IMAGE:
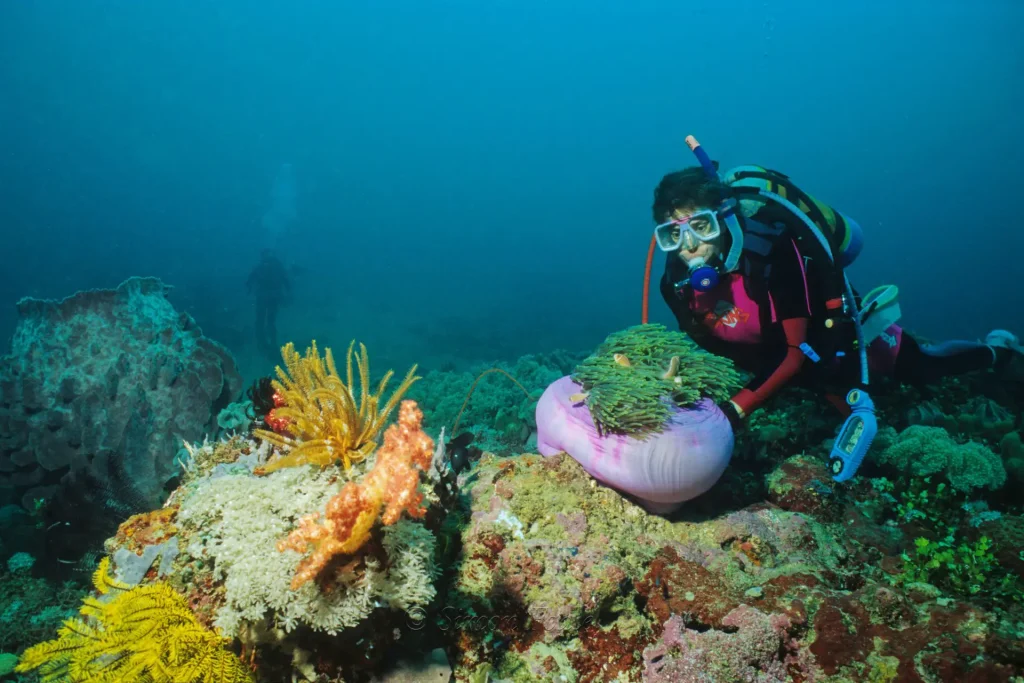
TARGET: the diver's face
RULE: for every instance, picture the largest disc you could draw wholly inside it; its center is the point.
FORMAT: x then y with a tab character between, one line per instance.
704	250
693	249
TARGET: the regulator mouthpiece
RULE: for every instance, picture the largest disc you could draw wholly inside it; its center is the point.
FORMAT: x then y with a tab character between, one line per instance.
703	277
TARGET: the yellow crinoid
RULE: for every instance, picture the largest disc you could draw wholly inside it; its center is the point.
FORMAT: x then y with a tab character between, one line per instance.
320	419
134	635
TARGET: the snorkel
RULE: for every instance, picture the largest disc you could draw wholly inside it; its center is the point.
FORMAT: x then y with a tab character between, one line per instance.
860	427
702	157
703	276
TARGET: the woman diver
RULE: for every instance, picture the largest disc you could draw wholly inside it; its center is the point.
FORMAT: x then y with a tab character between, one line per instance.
754	272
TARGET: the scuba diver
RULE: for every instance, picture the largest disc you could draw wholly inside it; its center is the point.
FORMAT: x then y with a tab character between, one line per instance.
269	281
754	273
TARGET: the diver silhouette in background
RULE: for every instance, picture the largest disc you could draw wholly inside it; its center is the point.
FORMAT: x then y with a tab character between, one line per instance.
269	282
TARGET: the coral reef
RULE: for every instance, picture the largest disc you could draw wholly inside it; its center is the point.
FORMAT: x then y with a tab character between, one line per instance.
97	394
235	418
146	633
922	451
552	576
261	401
233	527
747	649
786	426
321	417
31	608
1011	449
563	579
7	663
390	488
339	566
630	378
981	418
804	484
232	540
498	414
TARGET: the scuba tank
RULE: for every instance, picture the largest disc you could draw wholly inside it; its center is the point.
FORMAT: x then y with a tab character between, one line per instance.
828	239
844	235
876	310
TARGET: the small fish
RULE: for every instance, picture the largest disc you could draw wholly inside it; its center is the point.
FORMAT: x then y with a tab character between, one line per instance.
578	398
819	487
461	454
462	440
621	359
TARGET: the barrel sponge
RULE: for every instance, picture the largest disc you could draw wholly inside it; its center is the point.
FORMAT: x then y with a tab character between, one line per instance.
925	451
97	393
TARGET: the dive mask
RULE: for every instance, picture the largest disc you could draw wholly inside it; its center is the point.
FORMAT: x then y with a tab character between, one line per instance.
689	231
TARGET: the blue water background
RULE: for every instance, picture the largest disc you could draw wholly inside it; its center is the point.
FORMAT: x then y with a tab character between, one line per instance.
472	180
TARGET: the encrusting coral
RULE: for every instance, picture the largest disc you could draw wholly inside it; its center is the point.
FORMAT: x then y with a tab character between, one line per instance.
632	378
390	488
142	634
32	607
320	416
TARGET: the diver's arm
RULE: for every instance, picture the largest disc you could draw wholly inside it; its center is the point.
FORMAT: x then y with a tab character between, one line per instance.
763	387
790	301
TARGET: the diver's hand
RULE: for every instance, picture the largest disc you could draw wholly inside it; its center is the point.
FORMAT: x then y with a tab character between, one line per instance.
733	413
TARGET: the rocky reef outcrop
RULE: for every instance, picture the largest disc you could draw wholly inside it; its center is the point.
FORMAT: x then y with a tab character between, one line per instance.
562	579
321	558
96	397
221	542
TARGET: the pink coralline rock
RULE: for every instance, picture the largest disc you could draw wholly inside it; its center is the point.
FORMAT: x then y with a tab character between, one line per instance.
99	391
749	651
